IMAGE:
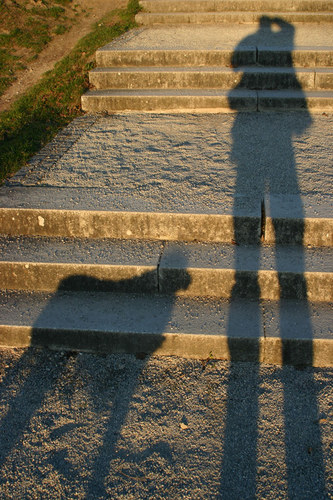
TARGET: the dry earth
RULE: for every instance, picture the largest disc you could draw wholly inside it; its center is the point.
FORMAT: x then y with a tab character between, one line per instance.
83	426
59	47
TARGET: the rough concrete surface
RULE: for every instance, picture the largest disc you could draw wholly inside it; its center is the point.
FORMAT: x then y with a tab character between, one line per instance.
87	426
179	160
219	37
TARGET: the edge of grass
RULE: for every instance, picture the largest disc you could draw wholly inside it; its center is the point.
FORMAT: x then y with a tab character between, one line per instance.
36	117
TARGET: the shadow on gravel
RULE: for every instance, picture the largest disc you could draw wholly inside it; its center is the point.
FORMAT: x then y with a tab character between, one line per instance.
260	173
70	316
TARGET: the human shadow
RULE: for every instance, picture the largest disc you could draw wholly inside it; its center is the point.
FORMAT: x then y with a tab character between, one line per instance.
264	159
103	316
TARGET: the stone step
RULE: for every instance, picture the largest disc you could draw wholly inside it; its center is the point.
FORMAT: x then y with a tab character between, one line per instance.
207	100
225	36
203	269
147	19
198	269
79	264
295	332
278	219
250	77
164	6
301	57
148	225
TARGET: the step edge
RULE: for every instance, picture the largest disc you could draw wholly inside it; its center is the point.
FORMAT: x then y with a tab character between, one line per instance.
200	346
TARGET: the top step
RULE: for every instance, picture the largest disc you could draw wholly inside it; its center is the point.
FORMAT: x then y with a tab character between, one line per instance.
236	5
233	11
239	17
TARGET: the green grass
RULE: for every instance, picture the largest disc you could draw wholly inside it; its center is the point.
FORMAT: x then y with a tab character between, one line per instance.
60	29
27	30
51	104
8	65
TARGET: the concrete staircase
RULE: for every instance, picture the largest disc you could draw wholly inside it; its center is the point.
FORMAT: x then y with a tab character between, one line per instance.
264	71
251	283
166	283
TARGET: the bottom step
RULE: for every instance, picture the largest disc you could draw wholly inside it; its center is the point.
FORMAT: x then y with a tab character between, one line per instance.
285	332
208	100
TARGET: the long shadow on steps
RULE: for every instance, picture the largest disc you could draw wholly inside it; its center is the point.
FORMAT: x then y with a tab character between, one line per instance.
262	169
63	336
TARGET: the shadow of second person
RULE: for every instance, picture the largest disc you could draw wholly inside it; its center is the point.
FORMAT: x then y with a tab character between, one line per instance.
96	315
102	316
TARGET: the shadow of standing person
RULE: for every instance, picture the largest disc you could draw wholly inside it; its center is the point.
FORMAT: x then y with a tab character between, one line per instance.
264	159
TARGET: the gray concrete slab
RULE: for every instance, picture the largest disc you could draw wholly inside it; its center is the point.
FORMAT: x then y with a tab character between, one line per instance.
148	19
220	37
80	251
231	5
165	326
287	318
243	271
132	313
187	161
251	258
211	77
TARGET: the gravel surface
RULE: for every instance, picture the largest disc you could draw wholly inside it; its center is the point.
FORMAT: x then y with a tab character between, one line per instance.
222	36
88	426
175	161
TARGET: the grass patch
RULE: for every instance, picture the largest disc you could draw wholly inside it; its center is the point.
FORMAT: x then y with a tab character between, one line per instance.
60	29
26	29
51	104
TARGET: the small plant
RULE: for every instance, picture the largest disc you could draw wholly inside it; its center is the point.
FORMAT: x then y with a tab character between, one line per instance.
208	361
60	29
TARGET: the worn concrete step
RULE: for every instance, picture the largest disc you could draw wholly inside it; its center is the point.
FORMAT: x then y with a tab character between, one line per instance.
249	77
268	33
311	57
191	269
147	19
145	225
278	219
52	263
283	332
207	100
247	271
164	6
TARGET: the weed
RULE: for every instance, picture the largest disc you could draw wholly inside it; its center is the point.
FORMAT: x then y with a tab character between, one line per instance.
60	29
55	12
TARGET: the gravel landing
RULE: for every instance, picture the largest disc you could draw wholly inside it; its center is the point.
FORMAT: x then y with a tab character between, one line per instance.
89	426
177	161
221	36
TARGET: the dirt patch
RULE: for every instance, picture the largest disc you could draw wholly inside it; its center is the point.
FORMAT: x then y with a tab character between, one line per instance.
90	13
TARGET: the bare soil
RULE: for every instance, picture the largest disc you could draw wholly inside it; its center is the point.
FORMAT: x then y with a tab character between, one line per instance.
59	47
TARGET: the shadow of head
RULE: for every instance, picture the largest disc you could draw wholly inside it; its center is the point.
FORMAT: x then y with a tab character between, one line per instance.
171	274
271	32
274	43
275	26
